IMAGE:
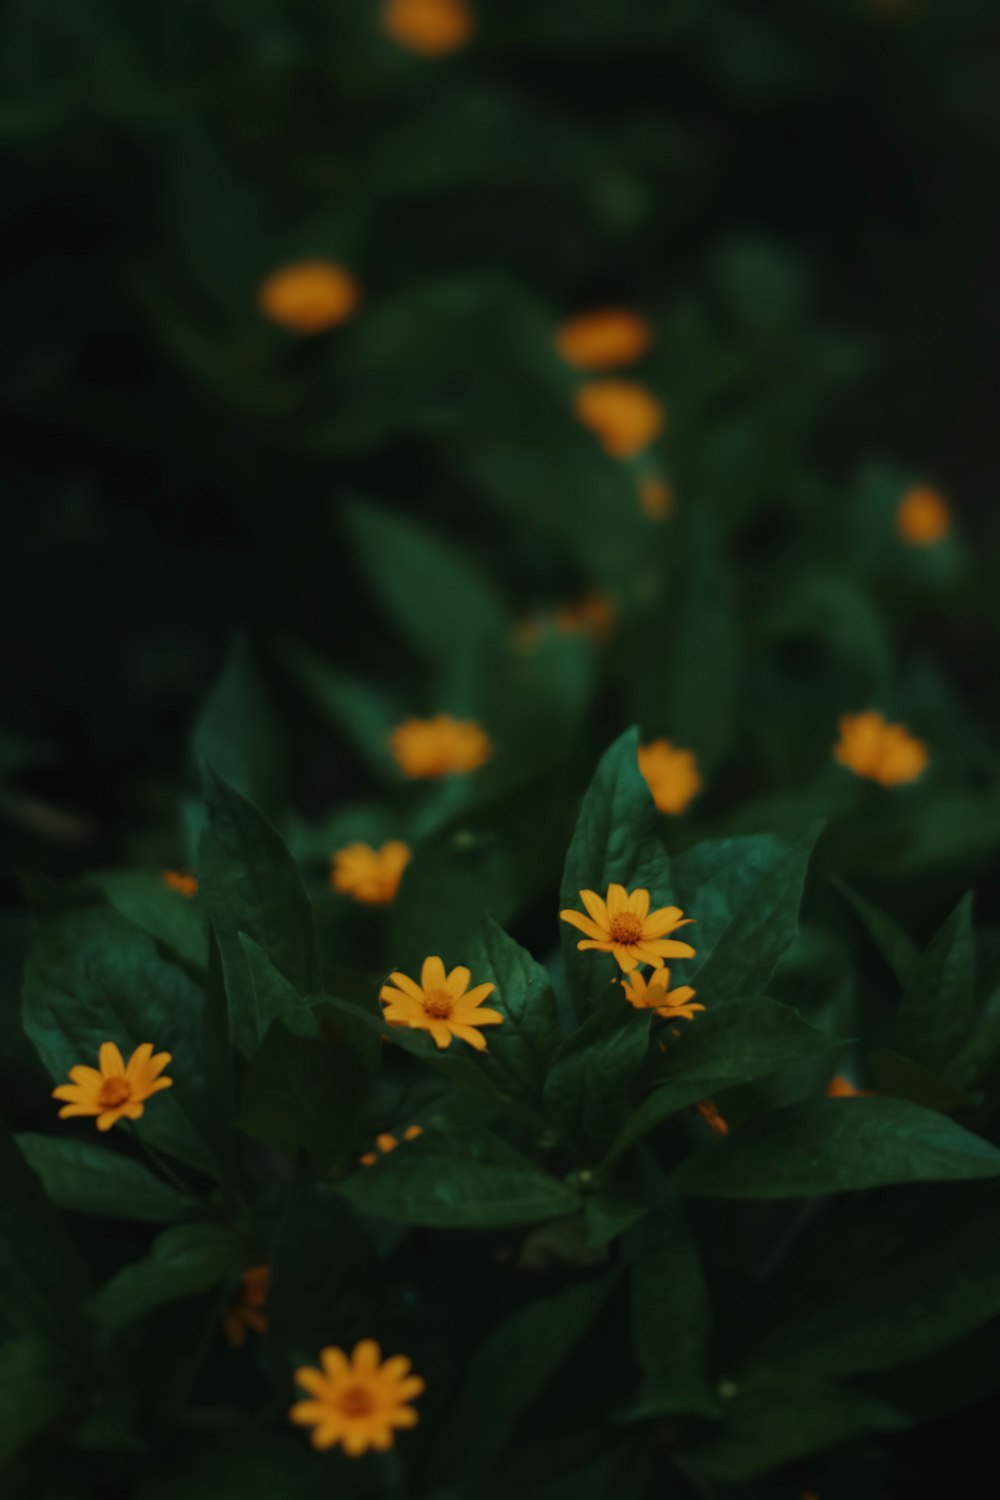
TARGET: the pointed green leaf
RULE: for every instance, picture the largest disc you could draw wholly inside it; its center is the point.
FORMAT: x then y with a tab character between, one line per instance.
587	1090
41	1275
237	733
895	946
174	920
34	1392
304	1093
937	1012
185	1261
91	1177
523	996
904	1079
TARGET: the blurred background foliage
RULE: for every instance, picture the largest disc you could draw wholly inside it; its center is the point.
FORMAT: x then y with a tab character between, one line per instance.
227	541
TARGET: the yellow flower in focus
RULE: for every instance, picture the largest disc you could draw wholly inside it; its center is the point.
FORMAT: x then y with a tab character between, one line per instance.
184	885
441	746
431	28
246	1309
656	994
594	615
711	1116
387	1142
357	1401
370	875
623	416
923	517
882	752
441	1003
656	497
625	926
603	340
842	1088
671	775
116	1090
309	297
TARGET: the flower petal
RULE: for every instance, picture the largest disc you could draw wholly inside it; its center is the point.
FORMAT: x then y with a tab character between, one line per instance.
602	947
469	1034
617	900
367	1356
432	975
313	1380
457	981
69	1110
664	919
336	1364
477	1016
407	985
474	997
638	903
136	1065
86	1077
584	924
111	1061
441	1032
598	909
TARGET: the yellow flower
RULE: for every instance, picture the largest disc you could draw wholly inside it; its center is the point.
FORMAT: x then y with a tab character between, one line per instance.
184	885
656	497
387	1142
116	1090
711	1116
923	517
625	926
370	875
882	752
624	416
441	1003
604	339
245	1310
309	297
672	1005
440	746
842	1088
431	28
671	775
359	1401
594	615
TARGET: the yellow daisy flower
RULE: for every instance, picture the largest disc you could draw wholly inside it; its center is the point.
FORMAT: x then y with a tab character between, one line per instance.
116	1090
840	1087
624	925
431	28
387	1142
441	1003
309	297
879	751
604	339
246	1309
671	774
428	748
923	517
656	994
184	884
357	1401
622	415
370	875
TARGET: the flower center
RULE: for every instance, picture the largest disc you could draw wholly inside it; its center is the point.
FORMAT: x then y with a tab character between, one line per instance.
114	1091
438	1004
626	928
356	1401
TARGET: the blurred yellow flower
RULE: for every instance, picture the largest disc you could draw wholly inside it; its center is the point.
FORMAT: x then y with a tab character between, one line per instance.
387	1142
923	517
246	1309
439	746
370	875
656	497
115	1090
625	926
431	28
657	995
309	297
184	885
671	775
842	1088
711	1116
882	752
594	615
441	1003
357	1401
603	340
625	417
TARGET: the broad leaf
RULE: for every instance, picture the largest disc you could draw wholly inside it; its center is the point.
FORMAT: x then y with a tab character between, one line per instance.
174	920
91	1177
895	946
587	1090
522	1046
305	1094
41	1276
185	1261
937	1012
237	734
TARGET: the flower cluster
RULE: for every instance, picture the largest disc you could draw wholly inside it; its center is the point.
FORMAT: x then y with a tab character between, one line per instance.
623	925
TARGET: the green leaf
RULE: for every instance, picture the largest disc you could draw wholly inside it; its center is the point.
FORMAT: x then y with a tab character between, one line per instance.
466	1179
616	841
274	999
91	978
937	1012
91	1177
514	1363
933	1278
774	1421
365	715
895	946
892	1074
835	1146
41	1275
671	1314
302	1093
237	734
172	919
251	885
523	996
34	1392
727	1045
587	1090
744	893
185	1261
